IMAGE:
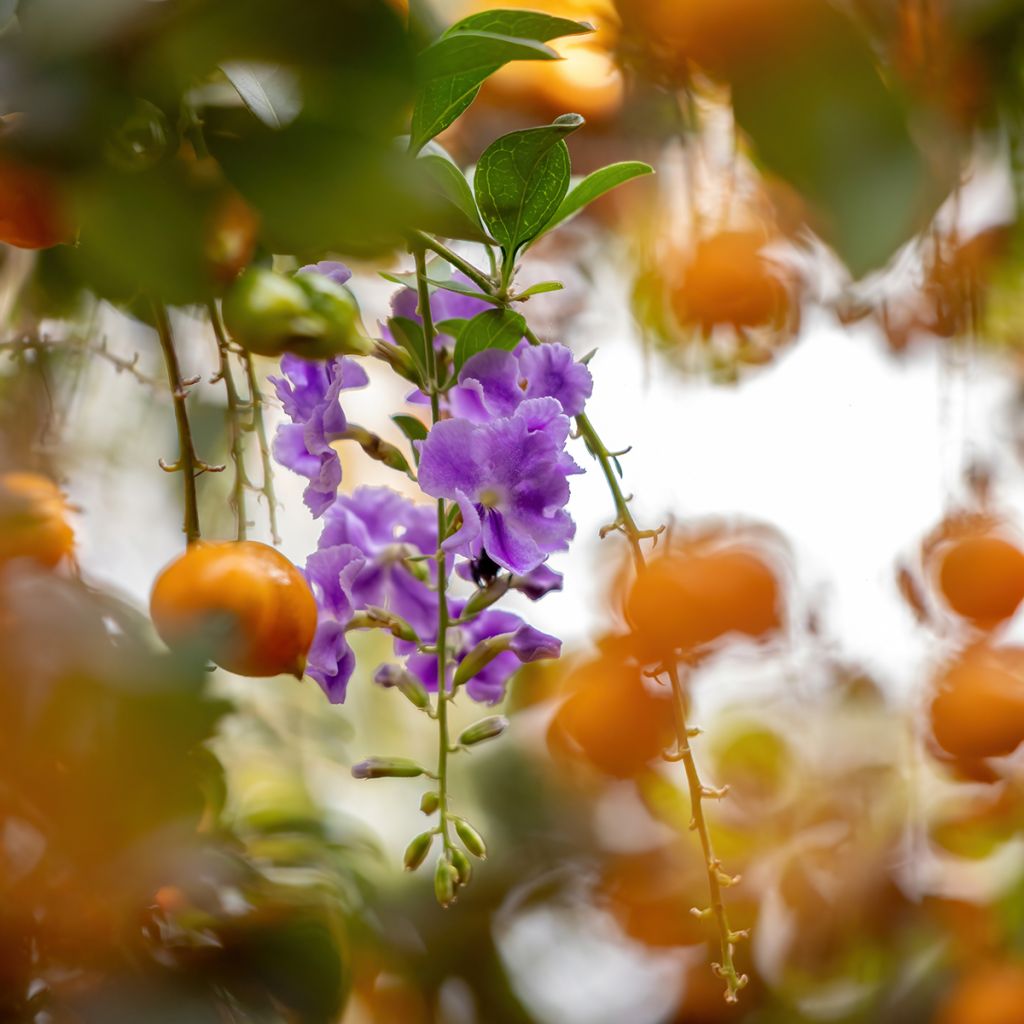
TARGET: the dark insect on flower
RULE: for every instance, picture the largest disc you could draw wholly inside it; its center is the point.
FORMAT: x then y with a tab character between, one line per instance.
484	569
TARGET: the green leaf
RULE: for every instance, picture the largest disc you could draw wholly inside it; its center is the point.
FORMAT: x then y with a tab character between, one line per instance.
521	25
453	327
270	92
538	289
449	74
521	180
413	428
454	213
595	185
409	335
494	328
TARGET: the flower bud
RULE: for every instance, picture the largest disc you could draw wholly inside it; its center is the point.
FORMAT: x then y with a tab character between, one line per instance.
484	597
416	852
406	684
445	880
387	768
471	839
429	802
485	729
462	866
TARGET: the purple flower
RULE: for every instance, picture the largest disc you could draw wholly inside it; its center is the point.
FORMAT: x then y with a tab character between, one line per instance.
332	269
330	572
509	477
495	383
386	528
309	392
444	305
520	643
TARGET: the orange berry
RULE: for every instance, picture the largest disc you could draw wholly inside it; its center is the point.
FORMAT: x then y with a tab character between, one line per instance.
31	214
231	237
991	994
611	719
978	709
728	281
244	599
701	592
982	578
33	519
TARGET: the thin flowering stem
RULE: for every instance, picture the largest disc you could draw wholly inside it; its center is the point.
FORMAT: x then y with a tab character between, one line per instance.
259	427
441	713
481	280
187	463
235	428
627	525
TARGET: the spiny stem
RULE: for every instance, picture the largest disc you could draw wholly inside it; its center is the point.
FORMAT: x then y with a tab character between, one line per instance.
234	423
443	740
259	426
634	535
187	461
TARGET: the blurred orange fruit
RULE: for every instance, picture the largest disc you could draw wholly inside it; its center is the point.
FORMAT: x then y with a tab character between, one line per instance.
978	708
991	994
31	210
982	578
729	281
231	238
702	591
244	599
611	720
33	519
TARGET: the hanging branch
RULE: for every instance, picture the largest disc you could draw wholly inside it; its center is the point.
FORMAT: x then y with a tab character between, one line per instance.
236	428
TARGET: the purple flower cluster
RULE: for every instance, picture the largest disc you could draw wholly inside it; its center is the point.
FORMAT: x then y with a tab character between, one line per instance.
499	455
361	564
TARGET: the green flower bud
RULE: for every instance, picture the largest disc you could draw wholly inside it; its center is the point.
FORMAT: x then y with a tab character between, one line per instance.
429	802
387	768
405	682
417	850
462	866
263	310
445	880
485	729
484	597
471	839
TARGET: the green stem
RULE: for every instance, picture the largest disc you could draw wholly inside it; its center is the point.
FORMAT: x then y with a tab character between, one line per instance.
259	426
482	281
443	740
234	423
187	462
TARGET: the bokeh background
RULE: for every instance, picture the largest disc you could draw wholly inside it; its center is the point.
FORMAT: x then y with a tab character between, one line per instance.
807	327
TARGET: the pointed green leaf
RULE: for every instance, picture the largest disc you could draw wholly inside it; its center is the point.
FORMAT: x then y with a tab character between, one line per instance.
521	180
269	91
409	335
595	185
453	327
454	213
538	289
413	428
494	328
521	24
450	72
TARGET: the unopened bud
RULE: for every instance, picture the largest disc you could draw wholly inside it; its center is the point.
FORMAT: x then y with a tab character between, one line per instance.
462	866
484	597
485	729
429	802
417	850
387	768
406	684
471	839
445	879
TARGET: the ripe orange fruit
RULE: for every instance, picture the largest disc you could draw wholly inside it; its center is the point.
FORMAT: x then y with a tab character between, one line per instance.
242	598
31	212
978	709
611	719
33	519
231	237
982	578
701	592
728	281
990	994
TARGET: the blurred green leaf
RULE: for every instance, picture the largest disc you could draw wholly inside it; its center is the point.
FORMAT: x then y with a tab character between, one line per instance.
268	90
521	180
521	25
540	288
494	328
454	215
409	334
